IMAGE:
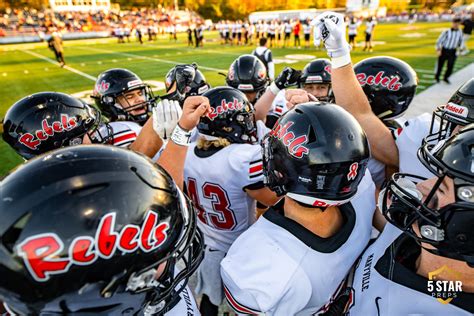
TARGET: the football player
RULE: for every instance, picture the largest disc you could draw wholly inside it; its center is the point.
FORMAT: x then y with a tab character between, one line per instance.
390	85
293	264
428	242
80	242
396	149
122	96
105	252
248	74
126	100
45	121
224	179
315	79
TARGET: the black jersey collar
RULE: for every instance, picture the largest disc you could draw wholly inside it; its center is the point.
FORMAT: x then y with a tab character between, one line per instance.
325	245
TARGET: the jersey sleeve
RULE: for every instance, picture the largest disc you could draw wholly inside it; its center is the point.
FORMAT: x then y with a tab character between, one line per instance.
246	164
408	139
279	104
124	133
252	287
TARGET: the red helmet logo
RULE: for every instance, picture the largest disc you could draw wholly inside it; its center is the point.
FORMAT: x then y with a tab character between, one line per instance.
41	253
391	83
32	141
295	145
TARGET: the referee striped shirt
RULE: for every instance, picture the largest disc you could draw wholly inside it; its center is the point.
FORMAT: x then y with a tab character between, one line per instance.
450	39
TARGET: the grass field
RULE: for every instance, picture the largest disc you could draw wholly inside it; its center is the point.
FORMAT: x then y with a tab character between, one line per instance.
28	68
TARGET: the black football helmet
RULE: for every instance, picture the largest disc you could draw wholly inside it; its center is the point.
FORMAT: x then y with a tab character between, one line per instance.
116	82
316	154
389	84
449	228
181	77
458	112
199	85
75	238
248	74
317	71
231	117
49	120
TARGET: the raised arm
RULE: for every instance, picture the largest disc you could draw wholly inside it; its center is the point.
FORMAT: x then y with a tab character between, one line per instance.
174	155
349	93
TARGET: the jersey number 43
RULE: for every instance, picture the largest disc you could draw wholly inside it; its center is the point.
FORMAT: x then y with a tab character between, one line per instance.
221	216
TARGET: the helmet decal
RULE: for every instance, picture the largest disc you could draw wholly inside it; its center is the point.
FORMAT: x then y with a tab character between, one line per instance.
134	83
295	145
224	107
102	86
230	74
457	109
33	140
391	83
40	252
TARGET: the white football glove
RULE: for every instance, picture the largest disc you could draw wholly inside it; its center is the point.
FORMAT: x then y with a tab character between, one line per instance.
332	30
166	115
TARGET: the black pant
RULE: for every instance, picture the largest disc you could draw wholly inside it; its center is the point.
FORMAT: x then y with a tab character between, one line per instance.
450	56
59	56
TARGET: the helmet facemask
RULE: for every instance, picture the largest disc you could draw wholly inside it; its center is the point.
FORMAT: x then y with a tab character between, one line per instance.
448	228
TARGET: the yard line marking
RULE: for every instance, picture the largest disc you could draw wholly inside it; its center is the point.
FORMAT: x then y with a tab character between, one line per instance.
424	71
146	58
49	60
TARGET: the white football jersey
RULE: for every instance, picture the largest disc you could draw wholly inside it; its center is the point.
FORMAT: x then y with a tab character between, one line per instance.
124	132
279	104
186	305
216	184
384	286
352	28
408	140
278	267
377	171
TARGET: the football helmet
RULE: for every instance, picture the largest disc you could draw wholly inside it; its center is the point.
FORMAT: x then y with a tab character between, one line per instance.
449	228
317	71
75	238
231	116
389	84
248	74
199	85
180	77
316	154
115	83
49	120
459	111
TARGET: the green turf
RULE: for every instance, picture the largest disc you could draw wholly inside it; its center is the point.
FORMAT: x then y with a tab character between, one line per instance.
24	74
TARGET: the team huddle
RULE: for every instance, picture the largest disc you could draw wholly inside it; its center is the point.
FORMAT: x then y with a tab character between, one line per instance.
309	194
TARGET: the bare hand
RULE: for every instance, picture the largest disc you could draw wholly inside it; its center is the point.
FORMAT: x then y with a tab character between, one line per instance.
295	97
194	107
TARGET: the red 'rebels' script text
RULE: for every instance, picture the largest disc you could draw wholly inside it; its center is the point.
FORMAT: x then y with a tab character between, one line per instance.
32	141
42	253
392	84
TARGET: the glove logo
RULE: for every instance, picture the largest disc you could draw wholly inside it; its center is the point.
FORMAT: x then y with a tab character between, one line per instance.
32	141
392	84
295	145
43	254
